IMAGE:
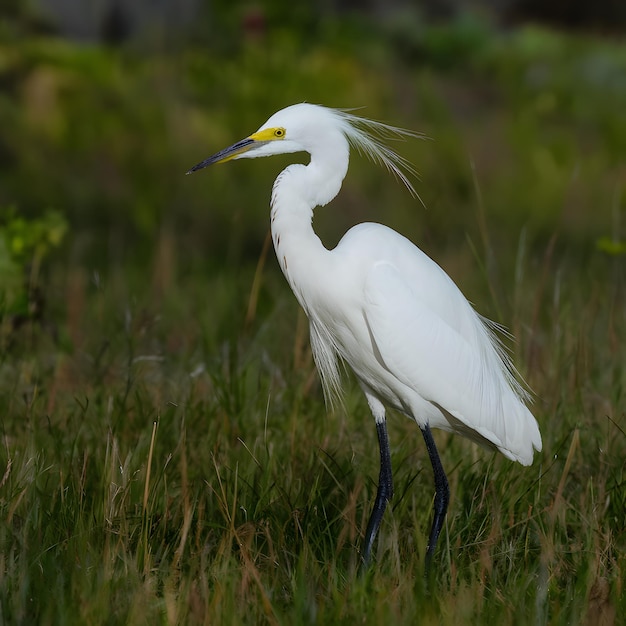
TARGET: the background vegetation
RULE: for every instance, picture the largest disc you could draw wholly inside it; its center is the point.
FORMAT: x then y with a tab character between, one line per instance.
166	456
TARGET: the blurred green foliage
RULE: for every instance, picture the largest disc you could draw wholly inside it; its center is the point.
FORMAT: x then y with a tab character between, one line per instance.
528	116
24	246
527	136
612	247
29	241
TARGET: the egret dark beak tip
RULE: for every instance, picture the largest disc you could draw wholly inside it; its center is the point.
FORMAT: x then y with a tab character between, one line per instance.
199	166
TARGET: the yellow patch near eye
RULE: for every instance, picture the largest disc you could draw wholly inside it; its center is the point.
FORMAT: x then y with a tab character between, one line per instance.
269	134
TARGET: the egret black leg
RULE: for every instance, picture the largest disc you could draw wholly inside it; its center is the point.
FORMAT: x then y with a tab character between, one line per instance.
383	495
442	494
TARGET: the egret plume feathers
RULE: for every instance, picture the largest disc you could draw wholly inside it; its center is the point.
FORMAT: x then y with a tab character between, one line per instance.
368	137
495	333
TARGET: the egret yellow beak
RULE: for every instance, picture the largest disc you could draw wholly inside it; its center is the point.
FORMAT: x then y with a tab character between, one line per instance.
256	140
226	154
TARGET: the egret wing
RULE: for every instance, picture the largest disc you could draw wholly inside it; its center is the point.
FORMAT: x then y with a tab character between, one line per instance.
458	370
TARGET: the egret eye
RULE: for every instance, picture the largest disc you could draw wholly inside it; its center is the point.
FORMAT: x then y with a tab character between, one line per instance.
279	133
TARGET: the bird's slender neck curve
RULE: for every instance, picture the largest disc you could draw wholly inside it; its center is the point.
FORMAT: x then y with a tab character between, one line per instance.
297	191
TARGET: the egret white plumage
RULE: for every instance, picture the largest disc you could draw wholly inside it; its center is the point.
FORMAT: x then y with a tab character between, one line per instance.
379	304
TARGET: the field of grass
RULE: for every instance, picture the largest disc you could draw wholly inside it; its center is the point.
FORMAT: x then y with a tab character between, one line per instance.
166	453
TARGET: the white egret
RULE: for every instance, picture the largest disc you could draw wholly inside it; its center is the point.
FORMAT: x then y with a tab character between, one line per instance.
378	303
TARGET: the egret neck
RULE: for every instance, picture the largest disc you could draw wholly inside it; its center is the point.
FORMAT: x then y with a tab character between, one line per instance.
297	191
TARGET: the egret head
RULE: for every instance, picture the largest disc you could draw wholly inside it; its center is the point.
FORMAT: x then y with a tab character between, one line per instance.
296	128
320	130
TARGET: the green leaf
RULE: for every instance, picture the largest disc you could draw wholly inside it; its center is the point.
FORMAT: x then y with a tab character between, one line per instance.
611	246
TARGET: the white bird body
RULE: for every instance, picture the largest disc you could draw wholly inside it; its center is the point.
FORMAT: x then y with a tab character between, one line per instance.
384	307
412	339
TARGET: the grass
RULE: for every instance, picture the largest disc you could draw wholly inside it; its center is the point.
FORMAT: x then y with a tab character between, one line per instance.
166	454
168	473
